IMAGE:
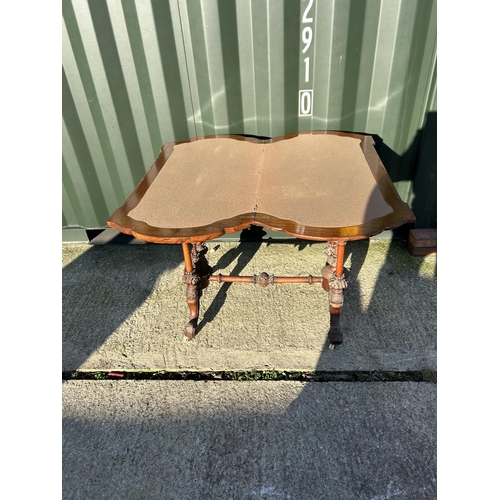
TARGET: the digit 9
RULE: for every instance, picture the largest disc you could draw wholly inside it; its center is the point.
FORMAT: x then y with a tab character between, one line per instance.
307	35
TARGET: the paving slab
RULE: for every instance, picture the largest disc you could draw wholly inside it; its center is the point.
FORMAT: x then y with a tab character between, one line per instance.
124	309
248	440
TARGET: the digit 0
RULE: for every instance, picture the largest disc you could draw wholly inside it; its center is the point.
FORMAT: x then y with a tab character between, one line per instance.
305	102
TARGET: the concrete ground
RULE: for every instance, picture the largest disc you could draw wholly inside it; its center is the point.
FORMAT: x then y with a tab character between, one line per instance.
124	309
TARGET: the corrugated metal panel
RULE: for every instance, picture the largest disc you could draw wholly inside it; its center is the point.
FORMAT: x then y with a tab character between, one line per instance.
140	73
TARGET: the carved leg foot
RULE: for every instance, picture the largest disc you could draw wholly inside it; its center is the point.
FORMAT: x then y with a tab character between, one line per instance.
336	299
334	283
196	277
193	302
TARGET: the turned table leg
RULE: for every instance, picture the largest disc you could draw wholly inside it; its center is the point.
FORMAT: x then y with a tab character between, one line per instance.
334	283
196	276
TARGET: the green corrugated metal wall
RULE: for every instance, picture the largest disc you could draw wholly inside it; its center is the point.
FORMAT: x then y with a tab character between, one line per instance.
138	73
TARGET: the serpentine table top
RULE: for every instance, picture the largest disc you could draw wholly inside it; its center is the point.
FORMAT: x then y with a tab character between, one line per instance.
316	185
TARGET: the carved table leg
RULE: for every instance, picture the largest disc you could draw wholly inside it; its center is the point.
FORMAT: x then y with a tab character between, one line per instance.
196	277
334	283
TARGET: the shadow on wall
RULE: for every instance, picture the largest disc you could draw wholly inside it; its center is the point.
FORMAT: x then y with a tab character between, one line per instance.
418	165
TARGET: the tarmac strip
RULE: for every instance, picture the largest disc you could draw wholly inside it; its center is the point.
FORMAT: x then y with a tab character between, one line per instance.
288	440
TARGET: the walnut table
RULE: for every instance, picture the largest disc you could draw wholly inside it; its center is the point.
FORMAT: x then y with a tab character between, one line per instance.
321	186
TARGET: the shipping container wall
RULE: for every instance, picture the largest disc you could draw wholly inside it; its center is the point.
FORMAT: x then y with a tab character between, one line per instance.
139	73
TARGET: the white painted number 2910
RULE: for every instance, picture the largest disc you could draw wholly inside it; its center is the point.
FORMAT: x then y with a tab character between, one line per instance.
306	96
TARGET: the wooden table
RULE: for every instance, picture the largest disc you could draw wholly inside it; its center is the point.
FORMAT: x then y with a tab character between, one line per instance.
321	186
